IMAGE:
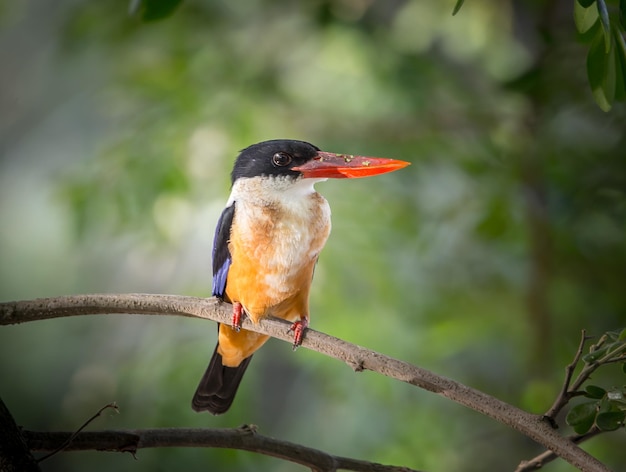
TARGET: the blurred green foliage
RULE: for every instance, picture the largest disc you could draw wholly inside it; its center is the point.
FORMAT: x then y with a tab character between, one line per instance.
482	261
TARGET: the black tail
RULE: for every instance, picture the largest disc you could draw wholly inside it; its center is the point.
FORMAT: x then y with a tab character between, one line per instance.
218	385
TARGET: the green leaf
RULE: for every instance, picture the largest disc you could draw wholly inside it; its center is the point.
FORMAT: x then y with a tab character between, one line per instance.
153	10
597	66
591	357
585	3
609	85
606	24
620	95
605	406
593	391
622	334
457	7
585	17
582	416
622	13
610	421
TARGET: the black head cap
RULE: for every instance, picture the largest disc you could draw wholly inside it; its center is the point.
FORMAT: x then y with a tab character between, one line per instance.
273	158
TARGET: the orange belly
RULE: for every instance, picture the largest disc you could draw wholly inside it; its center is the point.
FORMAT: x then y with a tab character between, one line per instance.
273	258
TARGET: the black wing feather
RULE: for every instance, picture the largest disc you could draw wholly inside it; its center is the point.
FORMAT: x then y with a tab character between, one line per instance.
221	255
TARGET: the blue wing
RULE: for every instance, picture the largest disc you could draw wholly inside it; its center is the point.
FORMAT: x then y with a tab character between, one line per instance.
221	255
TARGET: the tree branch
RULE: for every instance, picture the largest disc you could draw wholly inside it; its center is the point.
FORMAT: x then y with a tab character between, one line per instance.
548	456
359	358
565	395
243	438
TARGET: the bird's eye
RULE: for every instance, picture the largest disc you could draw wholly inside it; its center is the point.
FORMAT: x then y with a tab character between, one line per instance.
281	159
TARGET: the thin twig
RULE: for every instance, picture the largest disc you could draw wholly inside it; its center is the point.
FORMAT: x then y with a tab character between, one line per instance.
565	395
72	436
591	368
358	357
615	360
243	438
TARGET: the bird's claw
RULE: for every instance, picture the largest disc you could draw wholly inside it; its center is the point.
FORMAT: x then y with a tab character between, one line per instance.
298	329
237	316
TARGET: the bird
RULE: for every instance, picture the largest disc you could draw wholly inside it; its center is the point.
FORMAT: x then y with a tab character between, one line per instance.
266	245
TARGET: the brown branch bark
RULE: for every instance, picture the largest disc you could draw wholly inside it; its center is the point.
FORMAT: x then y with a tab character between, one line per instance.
548	456
243	438
565	395
359	358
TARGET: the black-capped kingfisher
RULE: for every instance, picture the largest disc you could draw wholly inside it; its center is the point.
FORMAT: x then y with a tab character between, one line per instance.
266	245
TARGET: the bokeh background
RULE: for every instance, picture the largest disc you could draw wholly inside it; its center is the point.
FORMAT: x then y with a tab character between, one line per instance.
482	261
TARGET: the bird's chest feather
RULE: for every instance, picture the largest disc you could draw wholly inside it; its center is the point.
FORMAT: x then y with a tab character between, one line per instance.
274	247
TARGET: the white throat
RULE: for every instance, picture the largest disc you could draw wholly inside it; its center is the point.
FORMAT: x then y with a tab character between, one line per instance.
271	190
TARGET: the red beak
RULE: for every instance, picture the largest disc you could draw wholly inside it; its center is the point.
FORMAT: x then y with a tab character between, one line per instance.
346	166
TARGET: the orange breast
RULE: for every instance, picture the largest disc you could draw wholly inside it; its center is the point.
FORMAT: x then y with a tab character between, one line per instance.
274	250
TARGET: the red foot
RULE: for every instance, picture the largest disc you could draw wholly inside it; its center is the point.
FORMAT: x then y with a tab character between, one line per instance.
237	316
298	329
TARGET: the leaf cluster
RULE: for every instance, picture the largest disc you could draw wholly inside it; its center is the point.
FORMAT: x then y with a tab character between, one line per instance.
606	409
